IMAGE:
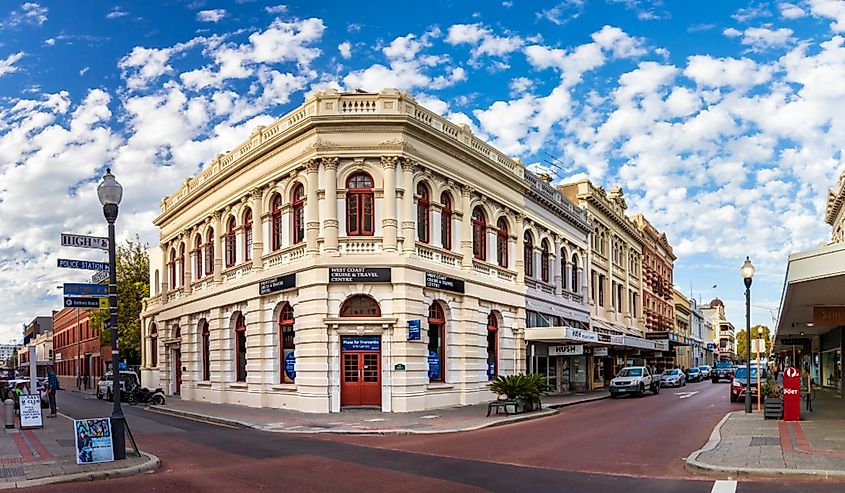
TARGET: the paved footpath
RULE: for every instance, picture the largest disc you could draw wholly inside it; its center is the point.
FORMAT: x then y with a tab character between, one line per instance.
363	422
747	444
47	455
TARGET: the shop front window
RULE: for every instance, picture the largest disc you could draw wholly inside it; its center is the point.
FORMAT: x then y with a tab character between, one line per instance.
492	347
287	346
436	343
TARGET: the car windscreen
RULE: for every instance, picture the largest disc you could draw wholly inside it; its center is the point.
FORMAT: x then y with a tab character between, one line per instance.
741	373
694	370
631	372
671	372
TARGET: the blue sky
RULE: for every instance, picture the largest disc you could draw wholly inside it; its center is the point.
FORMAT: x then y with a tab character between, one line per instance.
722	120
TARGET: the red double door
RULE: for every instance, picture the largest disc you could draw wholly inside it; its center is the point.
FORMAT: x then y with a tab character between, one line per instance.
360	383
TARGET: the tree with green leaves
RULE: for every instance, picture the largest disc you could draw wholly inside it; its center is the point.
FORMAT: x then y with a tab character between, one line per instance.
764	334
133	285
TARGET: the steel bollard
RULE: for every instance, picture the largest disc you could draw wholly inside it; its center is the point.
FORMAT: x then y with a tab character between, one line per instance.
9	413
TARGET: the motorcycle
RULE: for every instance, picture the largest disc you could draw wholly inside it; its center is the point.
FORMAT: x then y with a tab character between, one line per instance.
143	395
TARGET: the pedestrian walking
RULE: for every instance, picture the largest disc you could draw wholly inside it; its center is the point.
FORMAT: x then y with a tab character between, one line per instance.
810	395
52	387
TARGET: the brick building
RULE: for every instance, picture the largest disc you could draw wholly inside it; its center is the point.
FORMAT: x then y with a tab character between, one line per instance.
70	325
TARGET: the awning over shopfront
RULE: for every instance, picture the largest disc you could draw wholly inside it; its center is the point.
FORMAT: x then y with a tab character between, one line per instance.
566	335
813	301
602	326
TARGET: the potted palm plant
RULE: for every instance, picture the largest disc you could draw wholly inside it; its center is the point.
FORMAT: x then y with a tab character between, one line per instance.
511	387
535	387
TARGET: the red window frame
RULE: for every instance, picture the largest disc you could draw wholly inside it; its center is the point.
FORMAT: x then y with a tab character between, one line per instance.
287	343
479	234
360	305
446	221
171	269
423	210
528	253
493	339
198	256
209	252
154	345
437	327
247	235
276	222
544	262
240	347
360	205
298	217
231	249
502	243
206	351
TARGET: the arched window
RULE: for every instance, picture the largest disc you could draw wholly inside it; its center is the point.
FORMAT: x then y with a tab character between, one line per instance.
205	334
479	232
574	285
153	345
359	205
171	269
528	253
436	343
248	235
198	257
276	222
423	203
563	277
209	252
177	332
286	348
231	255
446	221
240	348
360	305
502	242
157	281
544	261
492	346
298	217
182	261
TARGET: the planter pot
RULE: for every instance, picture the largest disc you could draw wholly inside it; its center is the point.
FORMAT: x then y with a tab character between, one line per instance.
518	406
773	408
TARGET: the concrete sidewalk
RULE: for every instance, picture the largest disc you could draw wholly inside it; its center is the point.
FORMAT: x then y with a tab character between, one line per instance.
364	422
746	444
47	455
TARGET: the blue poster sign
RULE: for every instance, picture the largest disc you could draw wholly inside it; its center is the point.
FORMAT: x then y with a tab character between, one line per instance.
364	343
121	365
414	330
290	365
93	440
433	365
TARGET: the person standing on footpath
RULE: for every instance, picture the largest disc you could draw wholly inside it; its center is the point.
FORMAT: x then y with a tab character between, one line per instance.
52	387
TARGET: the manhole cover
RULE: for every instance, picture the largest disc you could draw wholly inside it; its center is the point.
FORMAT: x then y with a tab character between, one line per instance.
12	472
764	441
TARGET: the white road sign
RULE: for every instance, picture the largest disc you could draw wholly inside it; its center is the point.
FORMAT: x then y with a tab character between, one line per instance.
81	241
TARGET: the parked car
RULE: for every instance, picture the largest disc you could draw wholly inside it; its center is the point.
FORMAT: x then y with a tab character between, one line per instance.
739	381
705	371
722	371
634	380
693	374
128	380
673	378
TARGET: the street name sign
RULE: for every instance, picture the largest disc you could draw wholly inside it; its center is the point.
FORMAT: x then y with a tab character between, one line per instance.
84	289
67	263
100	276
78	302
81	241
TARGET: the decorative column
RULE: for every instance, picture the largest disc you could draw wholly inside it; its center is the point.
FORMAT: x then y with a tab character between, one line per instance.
312	211
257	229
520	249
330	222
186	264
218	250
165	274
408	223
389	223
466	227
558	276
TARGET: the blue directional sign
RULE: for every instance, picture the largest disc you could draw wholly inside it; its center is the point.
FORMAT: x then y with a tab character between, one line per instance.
74	302
82	264
83	289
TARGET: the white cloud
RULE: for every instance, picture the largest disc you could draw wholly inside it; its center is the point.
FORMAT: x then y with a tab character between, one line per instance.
345	50
214	15
84	70
31	13
791	11
7	66
116	13
761	38
831	9
717	72
563	12
276	9
483	41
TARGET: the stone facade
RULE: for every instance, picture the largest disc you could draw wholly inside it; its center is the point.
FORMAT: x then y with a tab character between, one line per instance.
835	212
658	279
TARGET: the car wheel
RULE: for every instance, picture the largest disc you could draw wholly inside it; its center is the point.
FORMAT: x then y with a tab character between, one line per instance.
655	389
641	391
108	395
733	398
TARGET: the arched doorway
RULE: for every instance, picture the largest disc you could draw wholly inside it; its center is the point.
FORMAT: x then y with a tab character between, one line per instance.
360	357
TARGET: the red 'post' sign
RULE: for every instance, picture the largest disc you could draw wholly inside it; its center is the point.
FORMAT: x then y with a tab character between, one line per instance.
791	394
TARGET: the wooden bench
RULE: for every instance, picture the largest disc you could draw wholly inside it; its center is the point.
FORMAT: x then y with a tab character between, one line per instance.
501	404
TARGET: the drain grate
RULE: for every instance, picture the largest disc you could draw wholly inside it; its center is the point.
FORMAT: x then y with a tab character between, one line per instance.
765	441
11	472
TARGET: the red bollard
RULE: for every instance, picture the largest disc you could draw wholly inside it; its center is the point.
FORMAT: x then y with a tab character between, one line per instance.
791	394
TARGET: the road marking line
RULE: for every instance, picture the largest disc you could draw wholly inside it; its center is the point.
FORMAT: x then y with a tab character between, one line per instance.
724	487
686	395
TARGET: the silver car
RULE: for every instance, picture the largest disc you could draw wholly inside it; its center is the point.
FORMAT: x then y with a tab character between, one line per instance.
673	378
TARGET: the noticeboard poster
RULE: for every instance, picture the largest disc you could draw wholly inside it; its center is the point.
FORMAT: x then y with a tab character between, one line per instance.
31	411
93	440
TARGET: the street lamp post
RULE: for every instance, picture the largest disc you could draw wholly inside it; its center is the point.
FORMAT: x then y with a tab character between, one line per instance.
747	272
110	192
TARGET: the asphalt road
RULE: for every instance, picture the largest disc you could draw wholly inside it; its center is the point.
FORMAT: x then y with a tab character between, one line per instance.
630	444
